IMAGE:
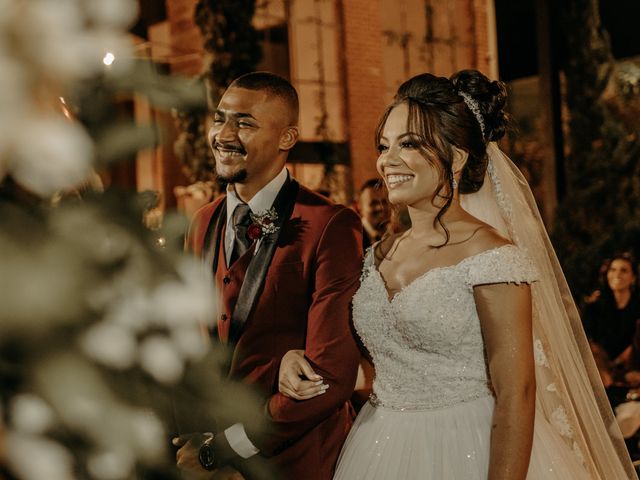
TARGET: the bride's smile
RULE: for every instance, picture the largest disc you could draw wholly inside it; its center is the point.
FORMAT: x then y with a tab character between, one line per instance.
411	179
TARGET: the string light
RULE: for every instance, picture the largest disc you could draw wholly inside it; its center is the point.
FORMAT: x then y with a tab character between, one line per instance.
108	59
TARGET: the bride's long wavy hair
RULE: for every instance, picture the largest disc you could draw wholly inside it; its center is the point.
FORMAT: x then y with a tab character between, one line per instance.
441	120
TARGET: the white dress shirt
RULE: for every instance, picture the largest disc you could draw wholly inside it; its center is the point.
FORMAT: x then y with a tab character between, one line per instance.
261	202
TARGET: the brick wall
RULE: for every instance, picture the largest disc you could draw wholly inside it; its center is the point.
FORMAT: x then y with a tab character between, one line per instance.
185	36
372	67
157	169
481	37
444	36
363	76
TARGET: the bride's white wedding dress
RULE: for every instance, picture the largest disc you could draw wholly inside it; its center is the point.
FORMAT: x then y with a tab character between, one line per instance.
430	414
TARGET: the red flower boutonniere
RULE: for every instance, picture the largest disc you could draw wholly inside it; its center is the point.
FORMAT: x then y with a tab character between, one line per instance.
263	224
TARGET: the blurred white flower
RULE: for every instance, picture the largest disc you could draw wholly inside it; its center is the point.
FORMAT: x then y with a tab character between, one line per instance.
34	458
131	312
193	272
174	304
190	341
111	465
50	34
66	56
50	154
148	435
160	358
110	344
189	302
31	414
13	87
52	17
114	13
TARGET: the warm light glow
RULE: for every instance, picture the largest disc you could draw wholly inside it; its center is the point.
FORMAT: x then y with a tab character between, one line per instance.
108	58
65	108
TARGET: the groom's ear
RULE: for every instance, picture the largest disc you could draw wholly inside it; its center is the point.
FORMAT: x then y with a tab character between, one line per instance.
288	137
460	158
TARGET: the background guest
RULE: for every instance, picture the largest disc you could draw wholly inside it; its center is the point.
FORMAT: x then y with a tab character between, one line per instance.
610	319
374	210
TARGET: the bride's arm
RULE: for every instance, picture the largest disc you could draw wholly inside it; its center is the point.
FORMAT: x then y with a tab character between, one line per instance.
366	373
296	378
505	318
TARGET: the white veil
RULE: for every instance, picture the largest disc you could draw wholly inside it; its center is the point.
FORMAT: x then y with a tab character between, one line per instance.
569	390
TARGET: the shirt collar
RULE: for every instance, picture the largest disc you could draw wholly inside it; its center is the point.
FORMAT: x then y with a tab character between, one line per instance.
261	201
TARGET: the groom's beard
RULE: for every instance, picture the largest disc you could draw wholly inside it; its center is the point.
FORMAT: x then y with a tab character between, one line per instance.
238	177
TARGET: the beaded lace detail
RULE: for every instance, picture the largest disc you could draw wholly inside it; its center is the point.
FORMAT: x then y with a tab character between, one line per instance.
426	342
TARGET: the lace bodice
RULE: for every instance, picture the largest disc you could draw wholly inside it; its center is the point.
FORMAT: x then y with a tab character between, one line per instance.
426	342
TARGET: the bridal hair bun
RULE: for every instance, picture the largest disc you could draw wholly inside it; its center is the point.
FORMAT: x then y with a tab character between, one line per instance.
439	114
465	111
490	96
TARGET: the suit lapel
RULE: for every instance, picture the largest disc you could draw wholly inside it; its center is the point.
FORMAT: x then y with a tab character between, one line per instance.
213	236
259	265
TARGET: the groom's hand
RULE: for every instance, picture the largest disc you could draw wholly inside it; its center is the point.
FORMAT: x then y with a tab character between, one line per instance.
187	456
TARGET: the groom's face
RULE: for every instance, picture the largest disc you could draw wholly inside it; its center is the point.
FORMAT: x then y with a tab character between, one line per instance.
246	134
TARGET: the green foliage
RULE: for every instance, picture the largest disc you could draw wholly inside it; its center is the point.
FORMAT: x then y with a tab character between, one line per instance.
600	213
192	147
231	39
232	42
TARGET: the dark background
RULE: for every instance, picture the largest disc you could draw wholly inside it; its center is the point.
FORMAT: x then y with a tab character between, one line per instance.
517	36
516	29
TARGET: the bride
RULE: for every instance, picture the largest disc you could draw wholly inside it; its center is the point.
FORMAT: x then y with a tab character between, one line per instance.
482	369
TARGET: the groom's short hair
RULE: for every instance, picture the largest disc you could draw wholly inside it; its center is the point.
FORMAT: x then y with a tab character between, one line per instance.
272	84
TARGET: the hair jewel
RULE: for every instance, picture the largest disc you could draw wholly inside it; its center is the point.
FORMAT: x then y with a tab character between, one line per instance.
475	109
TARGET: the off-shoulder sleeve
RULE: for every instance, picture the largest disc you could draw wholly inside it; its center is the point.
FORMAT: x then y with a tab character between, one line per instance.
368	258
368	262
506	264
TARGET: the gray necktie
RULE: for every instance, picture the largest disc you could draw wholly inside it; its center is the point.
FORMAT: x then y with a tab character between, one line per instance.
241	220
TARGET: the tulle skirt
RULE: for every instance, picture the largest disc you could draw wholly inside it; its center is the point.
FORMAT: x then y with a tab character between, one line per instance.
443	444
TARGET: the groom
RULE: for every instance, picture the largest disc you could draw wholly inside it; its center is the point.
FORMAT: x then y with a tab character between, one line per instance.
286	263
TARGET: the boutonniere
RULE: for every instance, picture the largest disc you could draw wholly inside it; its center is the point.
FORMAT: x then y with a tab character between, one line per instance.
262	224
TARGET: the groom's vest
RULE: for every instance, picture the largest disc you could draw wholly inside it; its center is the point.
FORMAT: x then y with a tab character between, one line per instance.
228	281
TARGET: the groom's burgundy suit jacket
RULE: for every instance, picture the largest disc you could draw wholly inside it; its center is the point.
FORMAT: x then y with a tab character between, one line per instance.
304	302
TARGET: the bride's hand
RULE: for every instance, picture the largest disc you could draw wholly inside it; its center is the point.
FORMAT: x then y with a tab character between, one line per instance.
297	379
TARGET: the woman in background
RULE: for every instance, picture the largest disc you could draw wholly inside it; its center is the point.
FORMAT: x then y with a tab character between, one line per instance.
610	320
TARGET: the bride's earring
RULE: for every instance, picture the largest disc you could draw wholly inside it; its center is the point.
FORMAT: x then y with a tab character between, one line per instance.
454	184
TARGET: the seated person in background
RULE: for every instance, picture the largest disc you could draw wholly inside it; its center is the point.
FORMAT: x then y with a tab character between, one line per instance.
610	319
374	210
